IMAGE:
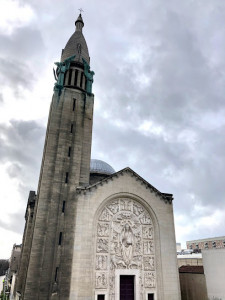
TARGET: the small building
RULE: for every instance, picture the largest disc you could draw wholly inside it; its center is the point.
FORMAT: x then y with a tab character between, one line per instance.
194	259
214	266
10	277
192	283
178	245
208	243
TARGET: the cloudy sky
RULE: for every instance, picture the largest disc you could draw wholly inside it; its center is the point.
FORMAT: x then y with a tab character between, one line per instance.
159	100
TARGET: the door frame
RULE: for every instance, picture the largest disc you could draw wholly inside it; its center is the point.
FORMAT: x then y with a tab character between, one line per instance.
130	272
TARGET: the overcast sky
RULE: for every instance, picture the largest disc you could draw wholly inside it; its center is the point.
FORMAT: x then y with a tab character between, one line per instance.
159	100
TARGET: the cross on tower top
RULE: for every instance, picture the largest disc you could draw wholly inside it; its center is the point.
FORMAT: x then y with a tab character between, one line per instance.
81	10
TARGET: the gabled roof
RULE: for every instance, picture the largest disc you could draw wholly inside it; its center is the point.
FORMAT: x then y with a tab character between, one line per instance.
164	196
191	269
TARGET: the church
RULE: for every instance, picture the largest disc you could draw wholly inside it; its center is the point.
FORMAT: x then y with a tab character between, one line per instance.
92	233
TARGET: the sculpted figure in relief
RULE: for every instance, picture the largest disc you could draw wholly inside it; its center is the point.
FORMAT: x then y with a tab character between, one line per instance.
101	262
149	264
126	205
103	229
114	207
126	240
102	245
148	247
105	215
147	232
149	279
101	280
137	209
145	219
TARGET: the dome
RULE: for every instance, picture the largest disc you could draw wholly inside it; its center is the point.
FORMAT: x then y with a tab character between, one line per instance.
77	44
100	167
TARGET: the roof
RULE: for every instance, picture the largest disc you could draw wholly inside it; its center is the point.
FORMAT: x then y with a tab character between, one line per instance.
190	256
77	45
219	238
164	196
192	269
100	167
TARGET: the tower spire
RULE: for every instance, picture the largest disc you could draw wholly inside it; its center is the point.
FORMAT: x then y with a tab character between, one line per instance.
79	23
77	45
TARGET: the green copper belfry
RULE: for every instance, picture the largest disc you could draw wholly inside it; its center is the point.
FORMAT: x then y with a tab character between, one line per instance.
59	74
89	77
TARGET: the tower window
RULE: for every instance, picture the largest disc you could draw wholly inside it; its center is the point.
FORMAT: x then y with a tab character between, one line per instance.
71	128
81	79
63	206
56	273
150	296
101	297
74	104
75	78
67	177
65	78
70	76
60	238
69	151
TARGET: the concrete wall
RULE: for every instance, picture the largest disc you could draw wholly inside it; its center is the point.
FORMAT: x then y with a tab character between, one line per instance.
214	266
193	286
190	260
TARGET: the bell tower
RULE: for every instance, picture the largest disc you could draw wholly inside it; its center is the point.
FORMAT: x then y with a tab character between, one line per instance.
47	252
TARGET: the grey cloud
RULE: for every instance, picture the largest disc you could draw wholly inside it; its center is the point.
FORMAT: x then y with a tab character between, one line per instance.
15	74
23	44
14	170
23	143
15	224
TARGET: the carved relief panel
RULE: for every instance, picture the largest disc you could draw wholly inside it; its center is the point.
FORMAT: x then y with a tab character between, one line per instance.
125	240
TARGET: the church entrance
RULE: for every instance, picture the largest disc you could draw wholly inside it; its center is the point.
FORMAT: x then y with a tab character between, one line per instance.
126	287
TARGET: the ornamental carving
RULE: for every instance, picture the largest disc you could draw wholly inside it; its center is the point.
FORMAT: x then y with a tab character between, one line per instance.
150	279
103	229
101	262
149	263
147	232
124	240
102	245
101	280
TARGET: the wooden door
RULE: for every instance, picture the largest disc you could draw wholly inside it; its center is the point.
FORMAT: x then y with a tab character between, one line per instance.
126	287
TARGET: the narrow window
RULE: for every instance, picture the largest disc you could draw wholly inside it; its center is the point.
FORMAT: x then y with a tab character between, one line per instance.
64	78
56	273
150	296
63	206
101	297
71	128
60	238
75	78
67	177
81	79
70	76
74	104
69	151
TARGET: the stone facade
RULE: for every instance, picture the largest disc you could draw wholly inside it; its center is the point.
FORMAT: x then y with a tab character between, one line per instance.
124	209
